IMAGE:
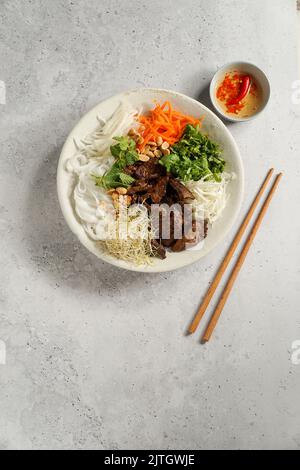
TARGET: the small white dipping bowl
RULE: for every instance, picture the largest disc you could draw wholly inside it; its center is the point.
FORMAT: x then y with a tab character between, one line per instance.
247	68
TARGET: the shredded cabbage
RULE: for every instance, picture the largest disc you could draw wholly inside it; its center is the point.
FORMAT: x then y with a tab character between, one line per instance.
210	196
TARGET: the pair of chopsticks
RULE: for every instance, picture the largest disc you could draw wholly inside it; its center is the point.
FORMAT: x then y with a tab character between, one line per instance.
237	267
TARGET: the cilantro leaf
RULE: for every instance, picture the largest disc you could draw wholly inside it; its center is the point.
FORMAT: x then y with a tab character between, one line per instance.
194	157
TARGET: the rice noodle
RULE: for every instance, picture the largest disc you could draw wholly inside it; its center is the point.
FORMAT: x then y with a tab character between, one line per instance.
97	144
94	206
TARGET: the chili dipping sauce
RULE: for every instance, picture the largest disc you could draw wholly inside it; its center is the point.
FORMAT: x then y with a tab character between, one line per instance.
239	94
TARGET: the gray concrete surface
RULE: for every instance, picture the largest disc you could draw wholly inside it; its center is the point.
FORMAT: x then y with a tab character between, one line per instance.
97	357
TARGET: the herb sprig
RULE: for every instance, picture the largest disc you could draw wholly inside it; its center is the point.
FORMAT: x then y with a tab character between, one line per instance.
195	156
125	153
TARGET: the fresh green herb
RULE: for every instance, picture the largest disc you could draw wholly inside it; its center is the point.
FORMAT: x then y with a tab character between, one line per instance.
125	154
195	156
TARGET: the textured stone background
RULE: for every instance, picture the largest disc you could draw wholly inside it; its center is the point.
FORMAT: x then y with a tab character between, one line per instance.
96	357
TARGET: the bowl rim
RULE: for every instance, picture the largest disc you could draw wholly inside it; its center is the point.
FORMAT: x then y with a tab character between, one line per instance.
63	200
214	101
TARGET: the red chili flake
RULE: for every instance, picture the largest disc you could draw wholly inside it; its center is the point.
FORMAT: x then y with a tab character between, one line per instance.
231	89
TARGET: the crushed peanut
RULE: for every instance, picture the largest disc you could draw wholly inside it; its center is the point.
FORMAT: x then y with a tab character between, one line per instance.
132	132
159	140
150	154
165	145
143	157
121	190
110	191
128	200
115	196
153	149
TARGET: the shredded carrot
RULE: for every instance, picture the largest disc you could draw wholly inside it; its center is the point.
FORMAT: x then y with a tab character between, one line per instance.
163	121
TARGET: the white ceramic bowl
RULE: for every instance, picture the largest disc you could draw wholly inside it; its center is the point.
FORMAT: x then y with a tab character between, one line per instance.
212	125
244	67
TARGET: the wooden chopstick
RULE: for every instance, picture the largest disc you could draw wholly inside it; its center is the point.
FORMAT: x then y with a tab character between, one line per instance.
230	253
239	263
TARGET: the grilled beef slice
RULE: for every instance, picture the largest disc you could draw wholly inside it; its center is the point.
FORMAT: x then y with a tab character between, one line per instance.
159	189
158	249
146	170
197	234
176	225
139	186
183	193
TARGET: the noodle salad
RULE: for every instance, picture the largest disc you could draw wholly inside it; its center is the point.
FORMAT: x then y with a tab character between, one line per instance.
147	184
